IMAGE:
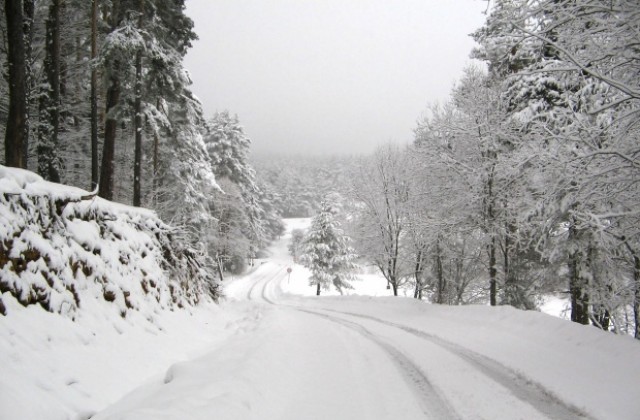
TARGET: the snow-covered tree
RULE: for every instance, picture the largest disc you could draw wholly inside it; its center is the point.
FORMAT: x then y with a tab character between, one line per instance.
301	182
575	92
295	245
326	251
478	177
185	177
380	195
228	148
124	57
246	217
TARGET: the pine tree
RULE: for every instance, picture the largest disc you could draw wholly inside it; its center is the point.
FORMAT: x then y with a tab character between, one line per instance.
297	236
228	148
258	221
326	251
185	177
144	49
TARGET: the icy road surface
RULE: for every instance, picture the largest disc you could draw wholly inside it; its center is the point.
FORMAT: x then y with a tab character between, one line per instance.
294	357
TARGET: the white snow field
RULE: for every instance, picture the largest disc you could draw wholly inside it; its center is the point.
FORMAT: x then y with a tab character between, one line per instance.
272	350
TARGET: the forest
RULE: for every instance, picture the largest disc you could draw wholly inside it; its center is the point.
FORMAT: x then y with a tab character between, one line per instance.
524	183
94	95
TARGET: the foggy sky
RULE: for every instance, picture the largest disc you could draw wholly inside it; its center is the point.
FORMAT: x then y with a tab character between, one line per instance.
328	76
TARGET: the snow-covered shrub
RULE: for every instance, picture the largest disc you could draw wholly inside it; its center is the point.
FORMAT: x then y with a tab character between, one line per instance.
60	245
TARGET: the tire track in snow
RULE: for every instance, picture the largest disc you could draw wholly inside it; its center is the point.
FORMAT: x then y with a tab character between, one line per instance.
270	275
524	389
433	403
521	387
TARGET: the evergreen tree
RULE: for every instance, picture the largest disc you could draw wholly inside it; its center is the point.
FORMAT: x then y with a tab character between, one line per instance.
185	177
144	49
295	245
256	220
228	148
326	251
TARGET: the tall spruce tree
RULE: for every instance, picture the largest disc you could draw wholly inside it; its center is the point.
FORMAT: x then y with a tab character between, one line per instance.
144	48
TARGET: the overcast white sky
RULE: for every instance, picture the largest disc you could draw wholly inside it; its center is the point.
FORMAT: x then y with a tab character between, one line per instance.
328	76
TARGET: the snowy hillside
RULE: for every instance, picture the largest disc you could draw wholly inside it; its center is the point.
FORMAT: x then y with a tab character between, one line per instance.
61	247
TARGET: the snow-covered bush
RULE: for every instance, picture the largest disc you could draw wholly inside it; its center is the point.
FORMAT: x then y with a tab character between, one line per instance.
60	245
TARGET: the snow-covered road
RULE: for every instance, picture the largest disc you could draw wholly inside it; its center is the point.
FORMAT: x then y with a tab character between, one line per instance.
295	357
403	372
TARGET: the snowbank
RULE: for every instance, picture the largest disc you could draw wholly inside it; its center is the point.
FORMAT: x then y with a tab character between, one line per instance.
61	247
57	369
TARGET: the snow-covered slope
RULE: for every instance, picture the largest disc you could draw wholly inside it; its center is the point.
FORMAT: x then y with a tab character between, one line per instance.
86	290
61	247
54	368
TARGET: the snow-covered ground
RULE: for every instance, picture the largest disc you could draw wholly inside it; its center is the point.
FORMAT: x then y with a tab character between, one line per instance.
272	350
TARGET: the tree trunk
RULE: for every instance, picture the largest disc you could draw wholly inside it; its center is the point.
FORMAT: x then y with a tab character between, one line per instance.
513	294
490	220
505	268
16	134
113	68
110	131
318	289
29	9
392	281
600	315
49	163
493	272
137	155
418	276
575	289
156	181
439	274
94	96
636	297
394	285
579	299
219	265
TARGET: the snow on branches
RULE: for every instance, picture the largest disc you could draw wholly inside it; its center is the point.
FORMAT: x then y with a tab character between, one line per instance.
326	251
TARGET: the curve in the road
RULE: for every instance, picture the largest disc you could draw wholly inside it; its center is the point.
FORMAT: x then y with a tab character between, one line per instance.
264	279
433	404
524	389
